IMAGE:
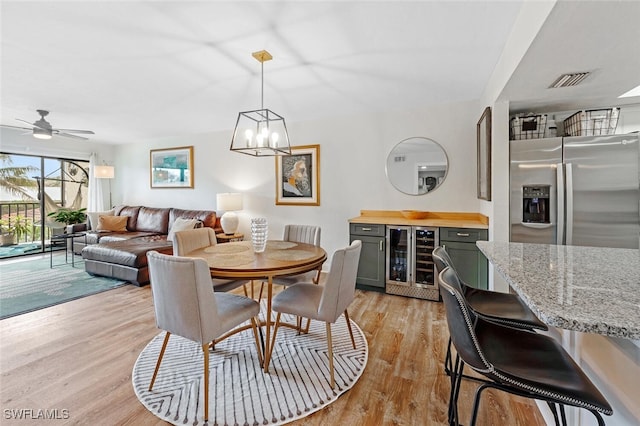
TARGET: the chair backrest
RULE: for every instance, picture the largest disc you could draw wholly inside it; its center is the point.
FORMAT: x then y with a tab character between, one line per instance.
192	239
441	258
183	298
340	286
302	234
443	261
461	321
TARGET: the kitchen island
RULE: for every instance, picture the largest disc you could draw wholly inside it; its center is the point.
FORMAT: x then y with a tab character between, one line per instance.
592	296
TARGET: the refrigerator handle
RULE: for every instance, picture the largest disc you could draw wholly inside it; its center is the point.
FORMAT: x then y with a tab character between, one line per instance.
569	238
560	202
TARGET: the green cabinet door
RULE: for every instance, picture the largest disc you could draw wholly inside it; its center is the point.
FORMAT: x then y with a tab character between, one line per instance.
470	263
372	256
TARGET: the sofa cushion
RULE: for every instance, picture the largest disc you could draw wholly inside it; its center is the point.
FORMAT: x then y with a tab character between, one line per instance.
207	217
131	253
112	223
93	218
123	236
181	224
132	212
152	219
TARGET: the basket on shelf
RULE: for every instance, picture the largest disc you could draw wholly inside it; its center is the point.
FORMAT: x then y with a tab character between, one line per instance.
592	122
527	126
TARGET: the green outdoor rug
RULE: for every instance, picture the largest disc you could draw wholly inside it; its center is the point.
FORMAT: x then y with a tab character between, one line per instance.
29	285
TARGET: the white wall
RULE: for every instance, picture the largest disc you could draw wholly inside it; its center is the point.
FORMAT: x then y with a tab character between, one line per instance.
353	152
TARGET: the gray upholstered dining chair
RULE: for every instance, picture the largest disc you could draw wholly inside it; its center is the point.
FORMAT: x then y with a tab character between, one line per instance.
185	242
308	234
186	305
324	302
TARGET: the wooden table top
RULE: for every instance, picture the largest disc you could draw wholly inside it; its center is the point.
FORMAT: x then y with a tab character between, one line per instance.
238	260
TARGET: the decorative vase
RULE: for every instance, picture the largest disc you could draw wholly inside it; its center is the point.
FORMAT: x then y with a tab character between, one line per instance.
259	233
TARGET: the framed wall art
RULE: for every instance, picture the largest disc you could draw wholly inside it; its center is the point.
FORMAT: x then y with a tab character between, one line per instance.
172	167
484	155
298	177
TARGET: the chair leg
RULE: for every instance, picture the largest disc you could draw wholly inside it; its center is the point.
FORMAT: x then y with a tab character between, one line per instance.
562	414
273	340
254	327
447	359
346	317
205	351
552	407
160	355
244	288
598	417
476	403
330	347
261	288
456	380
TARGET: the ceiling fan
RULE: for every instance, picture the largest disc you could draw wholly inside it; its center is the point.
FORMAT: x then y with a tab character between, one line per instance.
42	129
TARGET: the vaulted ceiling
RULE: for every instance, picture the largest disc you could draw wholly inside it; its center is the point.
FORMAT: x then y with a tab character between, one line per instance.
135	71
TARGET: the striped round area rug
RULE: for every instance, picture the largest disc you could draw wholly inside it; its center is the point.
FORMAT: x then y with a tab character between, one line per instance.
240	393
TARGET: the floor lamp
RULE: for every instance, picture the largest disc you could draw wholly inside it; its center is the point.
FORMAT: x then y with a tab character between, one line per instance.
105	172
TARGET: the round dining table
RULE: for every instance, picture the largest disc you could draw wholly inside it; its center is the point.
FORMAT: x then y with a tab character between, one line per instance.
237	260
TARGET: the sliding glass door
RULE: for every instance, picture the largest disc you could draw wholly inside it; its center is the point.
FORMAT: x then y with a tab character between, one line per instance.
32	187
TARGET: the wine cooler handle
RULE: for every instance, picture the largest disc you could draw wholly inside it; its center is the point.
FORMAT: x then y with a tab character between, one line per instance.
460	234
381	245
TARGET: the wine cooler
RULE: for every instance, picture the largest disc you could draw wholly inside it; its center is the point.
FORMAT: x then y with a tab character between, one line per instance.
410	267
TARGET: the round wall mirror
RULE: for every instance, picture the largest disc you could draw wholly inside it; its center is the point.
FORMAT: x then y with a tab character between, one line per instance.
417	166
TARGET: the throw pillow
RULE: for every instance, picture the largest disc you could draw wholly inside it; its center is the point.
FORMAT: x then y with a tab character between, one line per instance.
181	224
93	218
112	223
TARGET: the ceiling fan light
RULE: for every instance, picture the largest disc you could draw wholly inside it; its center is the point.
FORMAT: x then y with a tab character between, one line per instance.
41	133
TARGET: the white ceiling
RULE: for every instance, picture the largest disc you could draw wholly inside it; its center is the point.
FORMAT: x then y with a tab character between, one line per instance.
134	71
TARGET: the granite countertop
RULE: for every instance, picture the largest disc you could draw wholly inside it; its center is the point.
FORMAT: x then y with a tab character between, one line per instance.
433	219
586	289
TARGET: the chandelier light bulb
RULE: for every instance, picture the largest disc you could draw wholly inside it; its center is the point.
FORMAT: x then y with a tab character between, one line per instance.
274	139
248	134
260	139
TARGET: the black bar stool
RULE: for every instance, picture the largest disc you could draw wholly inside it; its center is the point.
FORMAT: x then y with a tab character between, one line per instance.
503	308
517	361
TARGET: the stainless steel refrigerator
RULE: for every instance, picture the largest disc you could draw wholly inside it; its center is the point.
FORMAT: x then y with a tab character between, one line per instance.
576	190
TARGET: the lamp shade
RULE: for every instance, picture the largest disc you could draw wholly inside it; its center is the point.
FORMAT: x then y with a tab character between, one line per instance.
229	201
103	172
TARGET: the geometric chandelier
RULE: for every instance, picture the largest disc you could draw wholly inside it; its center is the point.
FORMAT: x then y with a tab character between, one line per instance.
261	132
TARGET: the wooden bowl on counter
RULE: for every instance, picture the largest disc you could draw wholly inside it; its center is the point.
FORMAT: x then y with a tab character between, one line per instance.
414	214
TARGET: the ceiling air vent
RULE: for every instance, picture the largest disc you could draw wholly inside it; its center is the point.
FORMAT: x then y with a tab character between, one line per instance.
567	80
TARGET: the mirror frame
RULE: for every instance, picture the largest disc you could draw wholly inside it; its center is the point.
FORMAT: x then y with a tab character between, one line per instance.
393	152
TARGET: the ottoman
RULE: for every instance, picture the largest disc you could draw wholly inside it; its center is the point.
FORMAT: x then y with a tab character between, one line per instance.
126	260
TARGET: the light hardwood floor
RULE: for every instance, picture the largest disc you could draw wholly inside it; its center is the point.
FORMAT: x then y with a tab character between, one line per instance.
78	356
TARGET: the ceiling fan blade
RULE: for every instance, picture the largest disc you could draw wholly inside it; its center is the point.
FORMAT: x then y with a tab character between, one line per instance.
16	127
88	132
25	121
68	135
35	124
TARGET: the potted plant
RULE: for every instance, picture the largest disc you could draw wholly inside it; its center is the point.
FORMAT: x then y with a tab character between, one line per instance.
69	216
11	232
7	234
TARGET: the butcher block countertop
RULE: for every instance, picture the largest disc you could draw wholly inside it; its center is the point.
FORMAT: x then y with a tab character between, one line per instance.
434	219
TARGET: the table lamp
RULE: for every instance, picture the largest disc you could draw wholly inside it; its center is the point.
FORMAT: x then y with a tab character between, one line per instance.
229	202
